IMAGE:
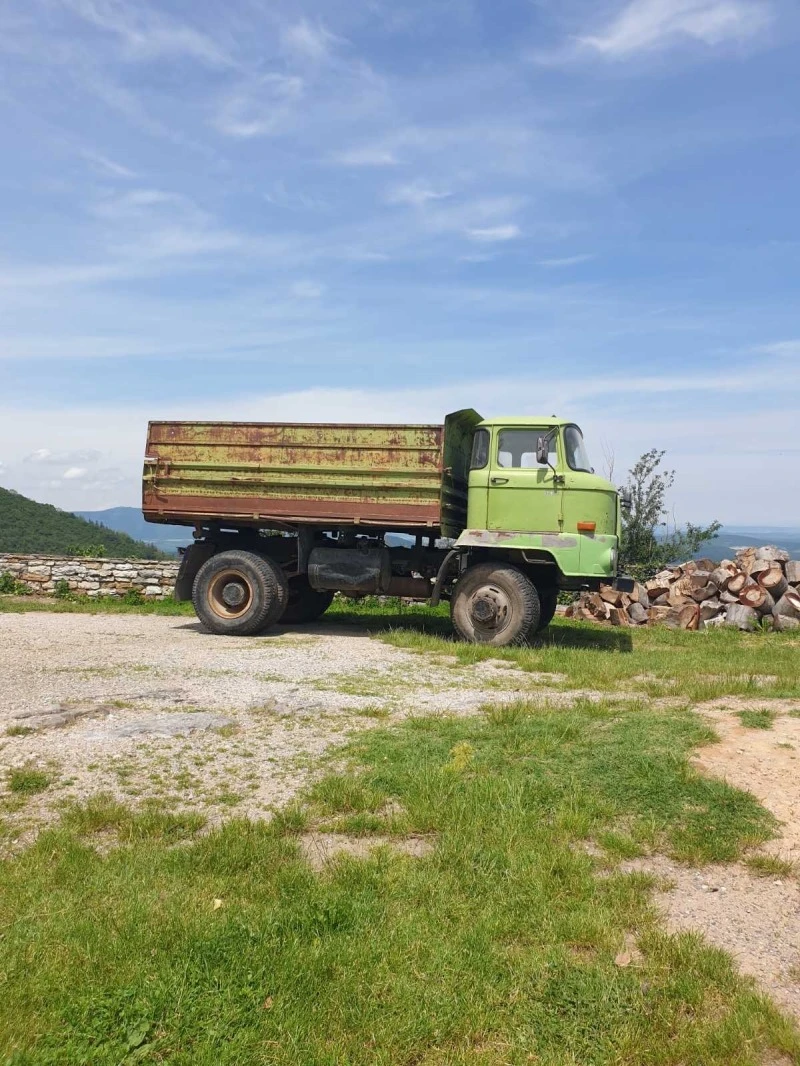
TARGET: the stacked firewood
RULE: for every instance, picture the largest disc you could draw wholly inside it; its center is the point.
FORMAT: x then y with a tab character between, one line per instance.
760	587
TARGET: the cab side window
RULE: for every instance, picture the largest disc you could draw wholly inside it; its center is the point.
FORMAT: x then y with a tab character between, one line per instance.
480	449
517	448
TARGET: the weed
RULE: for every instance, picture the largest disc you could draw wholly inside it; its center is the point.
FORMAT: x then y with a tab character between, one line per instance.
769	866
19	731
757	719
27	780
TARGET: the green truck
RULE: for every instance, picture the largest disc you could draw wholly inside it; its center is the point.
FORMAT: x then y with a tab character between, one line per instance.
494	515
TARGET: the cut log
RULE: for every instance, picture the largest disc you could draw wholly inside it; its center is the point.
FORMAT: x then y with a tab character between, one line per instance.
740	617
705	564
611	595
737	582
686	617
758	598
758	567
660	601
637	613
721	576
788	606
793	572
619	617
774	580
772	554
700	578
656	615
708	592
745	559
710	609
655	589
728	597
640	595
783	624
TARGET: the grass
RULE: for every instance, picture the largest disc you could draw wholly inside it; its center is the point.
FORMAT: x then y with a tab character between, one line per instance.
770	866
757	719
653	662
27	781
99	605
497	948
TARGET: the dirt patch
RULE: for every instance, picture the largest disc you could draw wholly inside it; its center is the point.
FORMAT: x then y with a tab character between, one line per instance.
321	848
765	762
756	919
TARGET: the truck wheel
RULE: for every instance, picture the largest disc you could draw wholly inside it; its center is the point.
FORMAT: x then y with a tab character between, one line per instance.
305	604
494	603
239	593
548	602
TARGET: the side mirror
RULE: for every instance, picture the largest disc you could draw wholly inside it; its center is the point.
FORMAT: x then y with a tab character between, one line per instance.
625	500
543	451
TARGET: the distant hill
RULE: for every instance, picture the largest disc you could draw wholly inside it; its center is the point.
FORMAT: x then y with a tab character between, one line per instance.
732	537
28	527
130	520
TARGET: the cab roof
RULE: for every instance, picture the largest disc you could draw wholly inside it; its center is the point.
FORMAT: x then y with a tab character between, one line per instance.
528	420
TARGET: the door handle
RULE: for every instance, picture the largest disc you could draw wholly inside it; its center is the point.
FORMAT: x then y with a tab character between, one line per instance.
499	480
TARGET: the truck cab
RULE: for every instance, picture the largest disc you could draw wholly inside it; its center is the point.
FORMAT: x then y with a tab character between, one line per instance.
532	489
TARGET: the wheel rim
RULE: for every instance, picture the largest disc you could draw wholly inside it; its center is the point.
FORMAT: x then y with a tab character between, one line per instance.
229	594
489	610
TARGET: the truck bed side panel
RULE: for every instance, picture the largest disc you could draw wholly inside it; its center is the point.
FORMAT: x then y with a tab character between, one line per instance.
371	475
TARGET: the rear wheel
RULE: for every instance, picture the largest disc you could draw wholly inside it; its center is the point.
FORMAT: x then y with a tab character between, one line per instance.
305	603
494	603
548	602
239	593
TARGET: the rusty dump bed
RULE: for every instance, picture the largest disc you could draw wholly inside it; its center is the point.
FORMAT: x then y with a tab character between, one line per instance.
274	475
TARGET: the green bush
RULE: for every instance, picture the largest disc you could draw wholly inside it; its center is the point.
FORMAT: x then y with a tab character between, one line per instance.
9	585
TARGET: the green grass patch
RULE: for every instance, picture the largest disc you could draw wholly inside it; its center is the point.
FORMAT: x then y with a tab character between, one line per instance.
98	605
27	780
653	662
497	948
770	866
757	719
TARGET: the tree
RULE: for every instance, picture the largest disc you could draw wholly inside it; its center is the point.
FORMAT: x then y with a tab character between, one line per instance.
645	550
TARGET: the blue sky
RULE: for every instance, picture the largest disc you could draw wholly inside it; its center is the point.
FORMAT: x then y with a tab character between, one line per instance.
378	210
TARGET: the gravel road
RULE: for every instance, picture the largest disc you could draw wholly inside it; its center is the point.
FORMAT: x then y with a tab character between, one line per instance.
143	706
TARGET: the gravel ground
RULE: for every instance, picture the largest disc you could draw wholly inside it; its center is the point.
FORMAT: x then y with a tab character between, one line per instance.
144	706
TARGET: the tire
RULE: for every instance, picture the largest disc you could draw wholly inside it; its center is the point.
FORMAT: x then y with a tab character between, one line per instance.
496	604
548	602
305	604
238	593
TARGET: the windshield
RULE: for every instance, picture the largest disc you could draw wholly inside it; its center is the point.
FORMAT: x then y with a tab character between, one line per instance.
577	456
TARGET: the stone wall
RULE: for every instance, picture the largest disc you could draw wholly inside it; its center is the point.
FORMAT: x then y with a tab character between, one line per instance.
153	578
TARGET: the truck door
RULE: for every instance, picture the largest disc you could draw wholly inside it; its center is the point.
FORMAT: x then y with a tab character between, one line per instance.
523	495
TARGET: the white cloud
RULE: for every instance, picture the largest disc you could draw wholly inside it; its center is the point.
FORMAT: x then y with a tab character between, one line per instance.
566	261
782	349
61	458
305	40
367	155
260	108
507	232
644	25
147	34
75	473
307	290
415	194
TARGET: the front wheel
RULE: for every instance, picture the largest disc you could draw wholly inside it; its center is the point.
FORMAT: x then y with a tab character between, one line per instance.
496	604
548	602
239	593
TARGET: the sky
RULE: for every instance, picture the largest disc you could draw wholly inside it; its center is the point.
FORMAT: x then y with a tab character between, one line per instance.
385	210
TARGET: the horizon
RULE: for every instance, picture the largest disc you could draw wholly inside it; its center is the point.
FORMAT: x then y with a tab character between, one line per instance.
381	212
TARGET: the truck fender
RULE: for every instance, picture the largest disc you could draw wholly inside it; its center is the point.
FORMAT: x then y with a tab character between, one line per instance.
441	577
191	561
